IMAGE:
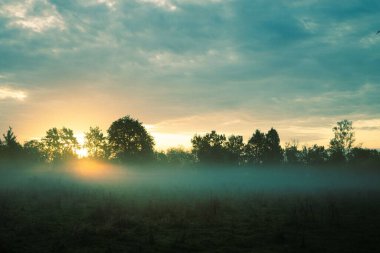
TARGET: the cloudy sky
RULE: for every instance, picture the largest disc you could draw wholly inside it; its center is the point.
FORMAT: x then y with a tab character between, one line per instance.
190	66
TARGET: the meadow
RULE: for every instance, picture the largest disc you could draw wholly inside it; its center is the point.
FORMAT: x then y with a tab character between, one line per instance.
97	207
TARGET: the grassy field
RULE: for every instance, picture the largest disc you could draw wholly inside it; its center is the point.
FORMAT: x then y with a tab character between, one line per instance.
198	211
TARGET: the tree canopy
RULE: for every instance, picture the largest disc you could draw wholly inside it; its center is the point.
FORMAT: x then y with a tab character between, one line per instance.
129	140
342	142
60	144
96	144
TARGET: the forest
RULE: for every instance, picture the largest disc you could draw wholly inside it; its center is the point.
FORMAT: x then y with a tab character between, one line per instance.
127	141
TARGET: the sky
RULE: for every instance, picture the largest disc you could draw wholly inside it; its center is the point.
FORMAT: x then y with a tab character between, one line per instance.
192	66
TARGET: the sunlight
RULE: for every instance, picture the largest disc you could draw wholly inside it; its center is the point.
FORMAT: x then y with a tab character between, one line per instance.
81	152
95	170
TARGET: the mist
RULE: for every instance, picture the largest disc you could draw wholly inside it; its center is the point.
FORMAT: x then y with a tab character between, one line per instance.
196	180
87	205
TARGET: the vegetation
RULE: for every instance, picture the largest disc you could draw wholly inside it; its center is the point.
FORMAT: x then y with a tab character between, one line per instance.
128	141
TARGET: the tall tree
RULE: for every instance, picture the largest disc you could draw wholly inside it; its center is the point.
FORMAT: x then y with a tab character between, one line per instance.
235	149
60	144
255	148
292	155
34	151
129	140
69	142
342	143
96	144
273	151
11	148
210	148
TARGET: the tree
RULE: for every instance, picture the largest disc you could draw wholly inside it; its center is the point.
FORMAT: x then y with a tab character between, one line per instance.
96	144
235	149
60	144
11	148
255	148
129	140
314	155
364	158
342	143
273	150
179	157
69	142
210	148
34	151
292	155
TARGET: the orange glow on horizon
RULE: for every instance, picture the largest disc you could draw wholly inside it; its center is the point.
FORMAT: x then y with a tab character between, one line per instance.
94	170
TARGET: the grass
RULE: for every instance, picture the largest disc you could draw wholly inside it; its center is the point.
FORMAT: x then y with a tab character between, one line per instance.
44	214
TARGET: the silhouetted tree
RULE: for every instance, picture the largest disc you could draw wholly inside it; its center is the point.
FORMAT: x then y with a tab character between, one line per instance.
160	157
292	155
34	151
364	158
314	155
129	140
210	148
342	143
10	147
255	148
96	144
273	151
235	149
179	157
60	144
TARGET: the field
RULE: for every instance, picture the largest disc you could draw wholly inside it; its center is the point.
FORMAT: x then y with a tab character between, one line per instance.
107	208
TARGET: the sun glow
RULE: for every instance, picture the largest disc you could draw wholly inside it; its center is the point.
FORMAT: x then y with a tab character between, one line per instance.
86	169
81	152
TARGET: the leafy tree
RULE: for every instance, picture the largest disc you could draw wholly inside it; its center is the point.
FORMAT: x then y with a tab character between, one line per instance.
292	155
34	151
210	148
235	149
314	155
70	143
60	144
255	148
179	157
52	145
342	143
364	158
273	151
129	140
160	157
96	144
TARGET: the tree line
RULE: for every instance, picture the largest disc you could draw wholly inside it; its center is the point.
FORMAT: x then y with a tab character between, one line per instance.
128	141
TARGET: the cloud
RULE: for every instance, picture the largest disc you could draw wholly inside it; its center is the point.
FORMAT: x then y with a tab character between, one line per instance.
307	62
34	15
9	93
166	4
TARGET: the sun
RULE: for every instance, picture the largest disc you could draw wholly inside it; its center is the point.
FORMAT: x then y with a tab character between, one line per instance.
81	152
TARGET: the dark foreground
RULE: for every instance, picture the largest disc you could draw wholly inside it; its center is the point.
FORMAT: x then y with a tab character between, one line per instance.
58	215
